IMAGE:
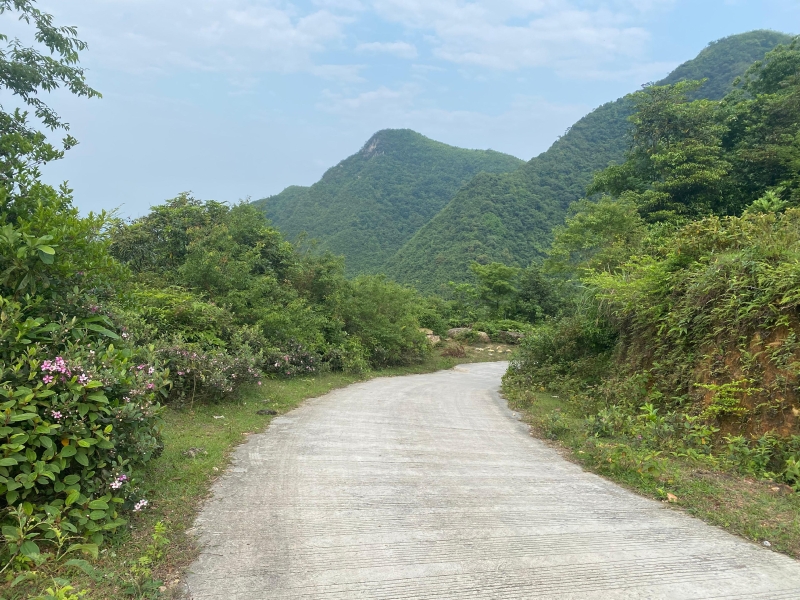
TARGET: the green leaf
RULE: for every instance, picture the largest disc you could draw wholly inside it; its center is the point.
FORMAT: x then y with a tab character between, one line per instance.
98	505
97	515
68	451
72	479
72	497
102	330
8	462
82	459
22	417
81	564
29	549
46	254
27	576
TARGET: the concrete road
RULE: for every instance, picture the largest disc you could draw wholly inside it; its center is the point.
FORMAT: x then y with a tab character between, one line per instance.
427	488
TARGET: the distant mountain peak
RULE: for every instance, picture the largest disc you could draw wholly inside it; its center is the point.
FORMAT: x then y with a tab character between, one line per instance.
367	209
372	147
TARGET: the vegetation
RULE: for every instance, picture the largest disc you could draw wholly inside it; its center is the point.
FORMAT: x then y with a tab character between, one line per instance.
680	353
371	203
104	323
509	218
665	314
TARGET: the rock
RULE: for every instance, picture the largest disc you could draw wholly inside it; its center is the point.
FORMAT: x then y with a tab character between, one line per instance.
455	351
766	544
192	452
266	411
457	331
509	337
433	339
483	337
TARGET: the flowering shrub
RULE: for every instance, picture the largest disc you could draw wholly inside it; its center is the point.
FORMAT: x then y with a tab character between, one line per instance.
294	360
78	417
199	374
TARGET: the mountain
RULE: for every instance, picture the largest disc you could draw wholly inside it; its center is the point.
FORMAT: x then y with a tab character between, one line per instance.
371	203
725	60
509	217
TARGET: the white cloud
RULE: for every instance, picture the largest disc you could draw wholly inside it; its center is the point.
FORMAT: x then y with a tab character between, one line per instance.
399	49
575	38
211	35
381	100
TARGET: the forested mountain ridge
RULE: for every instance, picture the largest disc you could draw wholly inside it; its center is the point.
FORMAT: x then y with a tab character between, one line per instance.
721	62
371	203
508	218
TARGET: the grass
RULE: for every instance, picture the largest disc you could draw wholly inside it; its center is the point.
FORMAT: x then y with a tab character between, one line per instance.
757	510
197	447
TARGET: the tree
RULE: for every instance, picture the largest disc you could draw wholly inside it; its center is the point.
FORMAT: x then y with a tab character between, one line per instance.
676	164
496	286
26	72
598	236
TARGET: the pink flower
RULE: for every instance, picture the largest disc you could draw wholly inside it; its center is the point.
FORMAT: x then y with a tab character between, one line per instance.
47	379
83	379
140	505
56	414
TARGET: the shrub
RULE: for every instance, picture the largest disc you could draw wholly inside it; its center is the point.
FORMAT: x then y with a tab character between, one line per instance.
294	360
78	418
201	374
349	357
383	316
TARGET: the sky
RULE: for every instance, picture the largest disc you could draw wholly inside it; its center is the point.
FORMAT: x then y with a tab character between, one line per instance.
237	99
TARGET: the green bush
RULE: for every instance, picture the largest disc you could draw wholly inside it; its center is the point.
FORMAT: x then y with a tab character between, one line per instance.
79	416
383	316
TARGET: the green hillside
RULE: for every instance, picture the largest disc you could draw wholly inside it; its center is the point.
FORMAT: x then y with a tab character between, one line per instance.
725	60
509	217
371	203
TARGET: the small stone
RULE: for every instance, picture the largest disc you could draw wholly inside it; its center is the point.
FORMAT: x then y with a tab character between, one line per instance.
766	544
219	416
193	452
457	331
781	489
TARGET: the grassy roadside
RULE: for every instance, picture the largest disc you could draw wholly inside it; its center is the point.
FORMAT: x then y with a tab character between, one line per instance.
757	510
198	444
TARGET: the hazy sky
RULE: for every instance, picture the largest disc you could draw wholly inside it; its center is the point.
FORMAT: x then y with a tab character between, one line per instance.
238	98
